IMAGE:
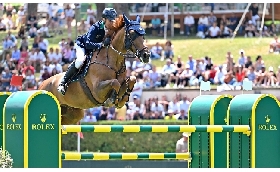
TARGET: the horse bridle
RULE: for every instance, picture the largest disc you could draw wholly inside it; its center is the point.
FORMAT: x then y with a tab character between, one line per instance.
128	45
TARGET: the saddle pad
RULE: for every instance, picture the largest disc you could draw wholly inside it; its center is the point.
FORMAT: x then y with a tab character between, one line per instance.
83	70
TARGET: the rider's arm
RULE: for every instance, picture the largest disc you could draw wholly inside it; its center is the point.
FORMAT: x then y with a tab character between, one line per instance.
89	42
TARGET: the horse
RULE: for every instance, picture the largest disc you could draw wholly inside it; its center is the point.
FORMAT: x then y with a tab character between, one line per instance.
102	80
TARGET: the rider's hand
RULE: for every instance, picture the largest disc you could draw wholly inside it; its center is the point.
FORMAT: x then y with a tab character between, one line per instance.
107	41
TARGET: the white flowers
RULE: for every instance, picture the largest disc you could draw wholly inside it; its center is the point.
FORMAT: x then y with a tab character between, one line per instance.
5	159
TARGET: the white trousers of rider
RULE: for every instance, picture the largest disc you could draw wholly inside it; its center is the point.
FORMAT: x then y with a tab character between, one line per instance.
80	54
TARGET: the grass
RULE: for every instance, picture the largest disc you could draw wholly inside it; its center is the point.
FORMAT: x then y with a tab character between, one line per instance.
199	48
217	49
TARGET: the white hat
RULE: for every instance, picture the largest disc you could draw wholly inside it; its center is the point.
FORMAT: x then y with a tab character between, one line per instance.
270	69
185	134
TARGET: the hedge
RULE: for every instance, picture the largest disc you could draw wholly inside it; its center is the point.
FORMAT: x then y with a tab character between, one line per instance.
125	142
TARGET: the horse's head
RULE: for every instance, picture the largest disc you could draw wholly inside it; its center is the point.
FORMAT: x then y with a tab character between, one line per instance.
134	39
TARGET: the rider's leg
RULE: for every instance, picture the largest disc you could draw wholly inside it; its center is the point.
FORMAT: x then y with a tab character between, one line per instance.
72	69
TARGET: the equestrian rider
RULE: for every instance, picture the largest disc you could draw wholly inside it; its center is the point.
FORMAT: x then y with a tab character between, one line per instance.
89	42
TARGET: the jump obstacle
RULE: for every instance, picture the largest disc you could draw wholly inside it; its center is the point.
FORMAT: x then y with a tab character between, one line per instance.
226	132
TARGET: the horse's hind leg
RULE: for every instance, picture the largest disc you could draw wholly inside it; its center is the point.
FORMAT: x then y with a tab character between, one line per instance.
70	115
125	91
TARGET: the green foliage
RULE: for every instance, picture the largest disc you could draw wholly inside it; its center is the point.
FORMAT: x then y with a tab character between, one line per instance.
125	142
5	159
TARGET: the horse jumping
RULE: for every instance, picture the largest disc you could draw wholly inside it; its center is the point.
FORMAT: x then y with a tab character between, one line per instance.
102	79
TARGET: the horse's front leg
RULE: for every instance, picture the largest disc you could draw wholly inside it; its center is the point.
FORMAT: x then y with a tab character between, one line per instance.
108	88
125	91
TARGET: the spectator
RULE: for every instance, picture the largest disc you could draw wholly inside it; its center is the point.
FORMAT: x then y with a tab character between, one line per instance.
185	77
278	76
167	71
250	30
138	87
192	63
259	64
6	78
154	77
69	15
57	66
182	145
155	25
32	32
188	22
21	17
156	51
23	44
82	27
214	31
43	46
274	45
271	77
261	77
232	22
212	19
242	59
251	75
156	107
219	76
225	31
28	67
174	105
202	23
254	10
182	115
16	54
32	21
2	25
44	30
29	80
184	105
168	50
248	62
90	14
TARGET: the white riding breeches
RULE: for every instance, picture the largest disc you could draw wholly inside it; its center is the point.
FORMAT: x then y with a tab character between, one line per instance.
80	54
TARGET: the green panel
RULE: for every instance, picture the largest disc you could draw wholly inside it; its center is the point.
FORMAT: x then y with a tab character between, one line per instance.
199	114
220	139
200	142
240	114
3	98
43	128
267	133
14	126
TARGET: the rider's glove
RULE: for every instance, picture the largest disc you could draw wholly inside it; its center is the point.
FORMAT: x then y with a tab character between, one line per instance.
107	41
100	46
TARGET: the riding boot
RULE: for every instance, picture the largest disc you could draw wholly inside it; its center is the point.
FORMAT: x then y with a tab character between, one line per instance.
72	70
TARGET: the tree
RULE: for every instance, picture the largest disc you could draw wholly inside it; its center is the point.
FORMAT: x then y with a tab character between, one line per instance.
122	8
32	8
99	8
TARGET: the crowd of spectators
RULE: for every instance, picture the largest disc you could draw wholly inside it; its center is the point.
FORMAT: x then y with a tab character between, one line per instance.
39	61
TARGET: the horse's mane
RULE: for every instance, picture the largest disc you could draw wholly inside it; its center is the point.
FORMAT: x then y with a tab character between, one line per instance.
119	24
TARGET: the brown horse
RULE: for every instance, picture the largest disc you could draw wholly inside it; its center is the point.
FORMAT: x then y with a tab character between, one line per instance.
105	83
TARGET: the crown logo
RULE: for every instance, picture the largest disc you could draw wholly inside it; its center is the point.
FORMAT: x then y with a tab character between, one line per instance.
14	118
43	118
267	119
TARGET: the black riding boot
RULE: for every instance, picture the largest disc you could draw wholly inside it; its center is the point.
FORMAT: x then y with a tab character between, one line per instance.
72	70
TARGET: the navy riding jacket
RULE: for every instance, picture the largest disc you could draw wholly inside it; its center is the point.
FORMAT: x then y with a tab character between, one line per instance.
92	40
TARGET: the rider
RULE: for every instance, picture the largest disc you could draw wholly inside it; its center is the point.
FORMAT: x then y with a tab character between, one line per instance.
89	42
